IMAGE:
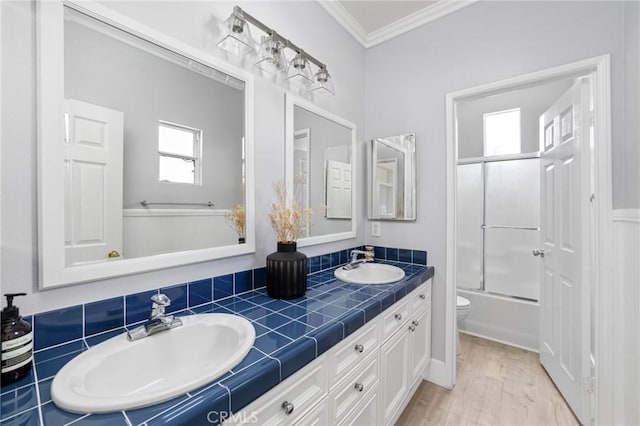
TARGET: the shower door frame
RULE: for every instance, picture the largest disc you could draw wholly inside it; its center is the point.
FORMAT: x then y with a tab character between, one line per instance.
601	225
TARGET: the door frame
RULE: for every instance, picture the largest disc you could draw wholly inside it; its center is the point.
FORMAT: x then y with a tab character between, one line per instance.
601	225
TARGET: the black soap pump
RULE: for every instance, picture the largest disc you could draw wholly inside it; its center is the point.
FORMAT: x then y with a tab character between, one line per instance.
17	342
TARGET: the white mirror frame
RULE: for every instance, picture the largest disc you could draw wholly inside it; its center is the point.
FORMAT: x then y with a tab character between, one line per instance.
292	101
50	130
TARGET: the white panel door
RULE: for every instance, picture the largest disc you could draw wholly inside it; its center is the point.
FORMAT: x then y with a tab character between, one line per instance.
564	339
338	190
93	182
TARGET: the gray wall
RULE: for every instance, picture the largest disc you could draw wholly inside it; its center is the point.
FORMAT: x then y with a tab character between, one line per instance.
532	103
485	42
197	24
146	88
324	134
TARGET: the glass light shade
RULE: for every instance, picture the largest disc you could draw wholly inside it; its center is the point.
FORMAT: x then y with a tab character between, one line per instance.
323	84
270	58
238	40
299	72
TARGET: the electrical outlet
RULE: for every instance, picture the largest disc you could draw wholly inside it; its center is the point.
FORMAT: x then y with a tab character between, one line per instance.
376	229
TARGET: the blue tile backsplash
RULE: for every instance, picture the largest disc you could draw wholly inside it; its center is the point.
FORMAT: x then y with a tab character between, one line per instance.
289	335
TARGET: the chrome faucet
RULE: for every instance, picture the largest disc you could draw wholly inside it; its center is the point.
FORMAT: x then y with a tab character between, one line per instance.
157	321
355	262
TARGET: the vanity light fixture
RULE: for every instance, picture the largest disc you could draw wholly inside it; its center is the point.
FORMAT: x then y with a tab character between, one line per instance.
271	57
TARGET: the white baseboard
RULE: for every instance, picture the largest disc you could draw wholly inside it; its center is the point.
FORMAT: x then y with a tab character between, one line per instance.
437	373
500	341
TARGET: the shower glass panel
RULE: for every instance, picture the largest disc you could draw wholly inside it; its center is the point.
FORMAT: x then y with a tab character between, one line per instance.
510	268
513	193
470	214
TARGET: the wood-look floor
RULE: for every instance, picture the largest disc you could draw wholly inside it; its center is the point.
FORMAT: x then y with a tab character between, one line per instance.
496	385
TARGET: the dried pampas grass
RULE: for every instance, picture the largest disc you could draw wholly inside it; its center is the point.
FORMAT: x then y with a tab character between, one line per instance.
236	218
288	217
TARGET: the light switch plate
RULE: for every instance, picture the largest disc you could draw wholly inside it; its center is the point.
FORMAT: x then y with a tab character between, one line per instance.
376	229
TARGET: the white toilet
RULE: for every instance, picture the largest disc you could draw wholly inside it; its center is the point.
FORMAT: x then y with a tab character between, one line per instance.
463	306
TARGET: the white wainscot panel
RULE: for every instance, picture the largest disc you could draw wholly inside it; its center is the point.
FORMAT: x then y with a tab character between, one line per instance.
154	231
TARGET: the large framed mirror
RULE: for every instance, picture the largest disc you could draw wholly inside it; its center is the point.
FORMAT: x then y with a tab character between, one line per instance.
320	163
145	149
391	173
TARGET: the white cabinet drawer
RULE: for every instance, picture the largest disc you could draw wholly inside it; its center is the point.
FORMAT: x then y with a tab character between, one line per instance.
366	414
349	354
318	416
295	396
349	392
420	298
393	318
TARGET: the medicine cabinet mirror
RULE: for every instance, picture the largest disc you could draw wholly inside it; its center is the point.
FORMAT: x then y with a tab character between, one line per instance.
320	168
145	146
392	178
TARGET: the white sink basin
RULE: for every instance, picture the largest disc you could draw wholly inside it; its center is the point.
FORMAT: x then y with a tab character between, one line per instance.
370	273
119	374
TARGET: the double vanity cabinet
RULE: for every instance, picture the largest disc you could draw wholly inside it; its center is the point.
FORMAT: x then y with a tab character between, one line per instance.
366	379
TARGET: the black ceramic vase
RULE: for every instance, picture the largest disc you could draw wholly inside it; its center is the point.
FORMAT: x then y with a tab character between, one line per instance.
286	272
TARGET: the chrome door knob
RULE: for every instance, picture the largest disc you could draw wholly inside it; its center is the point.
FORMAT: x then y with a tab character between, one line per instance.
287	407
359	348
539	252
359	387
398	316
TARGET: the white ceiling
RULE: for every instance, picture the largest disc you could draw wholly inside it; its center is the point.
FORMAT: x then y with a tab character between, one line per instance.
374	22
373	15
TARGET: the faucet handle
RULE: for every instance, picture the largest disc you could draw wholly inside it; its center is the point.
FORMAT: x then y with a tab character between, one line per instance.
160	300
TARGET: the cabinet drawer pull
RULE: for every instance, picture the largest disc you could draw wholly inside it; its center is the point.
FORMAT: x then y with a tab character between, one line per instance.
423	296
414	322
287	407
359	387
359	348
412	328
398	316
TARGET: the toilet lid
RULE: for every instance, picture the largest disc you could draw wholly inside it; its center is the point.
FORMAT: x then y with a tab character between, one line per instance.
462	302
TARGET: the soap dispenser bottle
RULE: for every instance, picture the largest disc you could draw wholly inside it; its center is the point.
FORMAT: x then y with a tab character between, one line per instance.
17	343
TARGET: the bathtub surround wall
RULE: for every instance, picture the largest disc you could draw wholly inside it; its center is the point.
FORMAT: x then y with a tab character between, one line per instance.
194	23
482	43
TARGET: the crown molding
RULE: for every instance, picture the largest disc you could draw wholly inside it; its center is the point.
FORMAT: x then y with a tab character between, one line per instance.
401	26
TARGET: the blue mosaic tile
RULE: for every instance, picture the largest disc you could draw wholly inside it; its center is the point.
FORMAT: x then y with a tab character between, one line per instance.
344	257
31	417
259	299
252	357
108	419
235	304
58	351
332	311
256	312
404	255
273	321
259	278
138	306
200	292
325	261
45	390
50	367
335	259
139	415
99	338
207	408
178	296
277	305
295	329
420	257
314	264
294	311
260	330
222	286
392	254
255	381
380	253
17	401
327	336
346	303
400	291
271	342
243	281
24	381
210	308
315	319
372	310
59	326
387	299
294	358
312	304
352	321
52	415
103	315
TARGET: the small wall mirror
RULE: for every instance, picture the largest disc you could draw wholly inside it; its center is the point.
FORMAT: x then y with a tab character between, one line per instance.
392	178
145	150
320	163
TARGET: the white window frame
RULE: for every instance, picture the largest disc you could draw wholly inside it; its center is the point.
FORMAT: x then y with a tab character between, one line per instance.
197	150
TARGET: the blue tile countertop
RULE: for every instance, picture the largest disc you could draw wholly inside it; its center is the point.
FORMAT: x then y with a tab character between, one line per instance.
289	335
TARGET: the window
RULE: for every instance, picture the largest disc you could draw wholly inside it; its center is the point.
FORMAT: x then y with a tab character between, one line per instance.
179	153
502	132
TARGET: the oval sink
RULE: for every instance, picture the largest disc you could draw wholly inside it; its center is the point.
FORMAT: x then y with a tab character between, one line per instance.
370	273
119	374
